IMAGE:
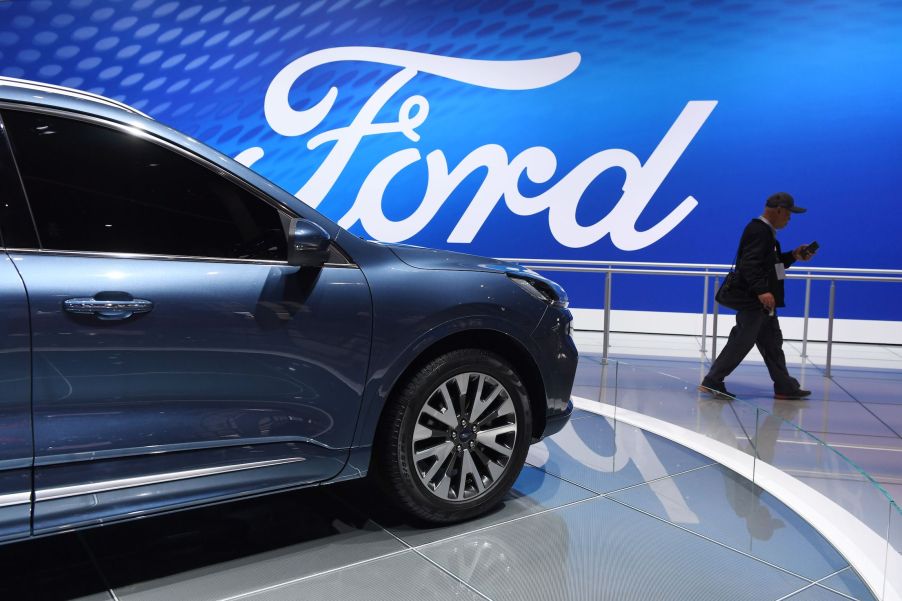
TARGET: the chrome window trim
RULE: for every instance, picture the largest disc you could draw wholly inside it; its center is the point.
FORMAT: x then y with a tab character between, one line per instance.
16	498
147	257
75	490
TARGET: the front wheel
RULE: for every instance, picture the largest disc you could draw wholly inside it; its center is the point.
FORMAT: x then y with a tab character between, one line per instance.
455	437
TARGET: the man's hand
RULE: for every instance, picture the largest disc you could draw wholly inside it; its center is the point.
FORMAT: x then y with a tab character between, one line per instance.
767	299
801	253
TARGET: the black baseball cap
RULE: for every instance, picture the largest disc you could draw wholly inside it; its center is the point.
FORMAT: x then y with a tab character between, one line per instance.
784	200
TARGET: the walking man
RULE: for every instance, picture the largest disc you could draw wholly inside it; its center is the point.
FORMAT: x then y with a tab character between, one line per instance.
760	269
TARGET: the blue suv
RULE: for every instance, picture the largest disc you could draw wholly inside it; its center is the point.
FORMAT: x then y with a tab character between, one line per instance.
176	330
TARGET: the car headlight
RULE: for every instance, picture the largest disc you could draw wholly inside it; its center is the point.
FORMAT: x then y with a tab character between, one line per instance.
539	290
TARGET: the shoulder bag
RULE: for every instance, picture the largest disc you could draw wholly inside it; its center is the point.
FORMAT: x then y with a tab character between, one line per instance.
731	293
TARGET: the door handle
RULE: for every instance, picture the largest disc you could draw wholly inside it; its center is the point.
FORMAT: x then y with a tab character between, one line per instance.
107	308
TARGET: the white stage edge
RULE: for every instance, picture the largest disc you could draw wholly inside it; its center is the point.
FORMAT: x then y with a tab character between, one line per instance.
863	549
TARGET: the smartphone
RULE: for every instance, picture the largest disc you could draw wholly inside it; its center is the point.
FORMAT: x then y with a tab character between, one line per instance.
809	250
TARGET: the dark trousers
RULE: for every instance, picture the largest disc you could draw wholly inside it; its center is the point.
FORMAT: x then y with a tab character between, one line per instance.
754	327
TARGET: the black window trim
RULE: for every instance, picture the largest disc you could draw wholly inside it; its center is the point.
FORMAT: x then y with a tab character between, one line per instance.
153	139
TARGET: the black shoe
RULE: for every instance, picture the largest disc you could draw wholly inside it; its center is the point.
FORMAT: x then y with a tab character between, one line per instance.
716	389
793	395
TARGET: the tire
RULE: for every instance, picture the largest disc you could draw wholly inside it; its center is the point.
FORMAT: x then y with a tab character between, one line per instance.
436	464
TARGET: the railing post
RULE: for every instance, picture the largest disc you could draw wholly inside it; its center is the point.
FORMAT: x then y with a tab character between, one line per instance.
805	321
705	313
714	326
607	313
830	326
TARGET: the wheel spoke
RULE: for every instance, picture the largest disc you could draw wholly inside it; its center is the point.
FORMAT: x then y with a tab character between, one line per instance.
453	407
506	408
463	383
488	438
468	468
480	405
461	482
444	484
477	397
495	469
421	432
447	416
434	451
440	452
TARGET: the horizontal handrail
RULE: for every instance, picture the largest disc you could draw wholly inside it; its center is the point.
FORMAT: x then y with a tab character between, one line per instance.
706	272
587	263
790	275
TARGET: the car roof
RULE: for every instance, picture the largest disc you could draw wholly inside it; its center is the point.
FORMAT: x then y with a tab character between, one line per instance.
15	89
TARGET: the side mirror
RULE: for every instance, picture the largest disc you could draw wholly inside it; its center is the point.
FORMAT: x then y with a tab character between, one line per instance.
308	244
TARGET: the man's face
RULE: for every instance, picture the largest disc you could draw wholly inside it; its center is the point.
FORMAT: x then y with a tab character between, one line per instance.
782	218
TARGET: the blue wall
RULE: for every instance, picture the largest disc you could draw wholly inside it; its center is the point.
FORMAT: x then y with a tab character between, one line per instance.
807	100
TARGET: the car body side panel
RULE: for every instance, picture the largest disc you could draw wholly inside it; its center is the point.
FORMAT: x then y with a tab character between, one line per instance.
15	407
274	467
235	365
410	318
557	359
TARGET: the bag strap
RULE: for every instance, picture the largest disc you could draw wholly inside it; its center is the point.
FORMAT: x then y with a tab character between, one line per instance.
736	259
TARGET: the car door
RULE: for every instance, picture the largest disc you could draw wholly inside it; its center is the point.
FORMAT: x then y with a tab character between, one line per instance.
15	391
178	358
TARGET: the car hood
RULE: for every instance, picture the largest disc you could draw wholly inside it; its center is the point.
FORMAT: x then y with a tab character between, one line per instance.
430	258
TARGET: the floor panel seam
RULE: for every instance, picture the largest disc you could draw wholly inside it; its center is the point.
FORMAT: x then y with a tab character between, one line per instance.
652	481
96	564
857	400
833	590
442	568
711	540
796	592
595	497
309	576
561	478
449	573
860	402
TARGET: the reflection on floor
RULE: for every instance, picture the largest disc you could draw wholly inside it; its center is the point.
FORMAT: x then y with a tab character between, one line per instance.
858	411
603	511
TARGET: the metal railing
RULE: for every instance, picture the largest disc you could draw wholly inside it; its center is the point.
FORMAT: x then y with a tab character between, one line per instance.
717	271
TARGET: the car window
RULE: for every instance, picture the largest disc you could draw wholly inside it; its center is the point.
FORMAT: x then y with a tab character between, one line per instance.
93	188
16	228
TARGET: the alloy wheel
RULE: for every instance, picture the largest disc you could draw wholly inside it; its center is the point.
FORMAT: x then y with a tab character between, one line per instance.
464	437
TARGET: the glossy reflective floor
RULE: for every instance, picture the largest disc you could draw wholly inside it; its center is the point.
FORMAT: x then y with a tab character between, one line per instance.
603	511
857	411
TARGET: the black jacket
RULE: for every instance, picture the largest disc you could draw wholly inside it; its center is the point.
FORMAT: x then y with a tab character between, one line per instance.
759	252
